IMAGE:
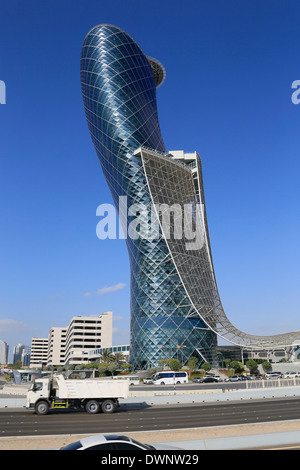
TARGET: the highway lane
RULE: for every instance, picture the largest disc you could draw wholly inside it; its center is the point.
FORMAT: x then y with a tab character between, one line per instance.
27	423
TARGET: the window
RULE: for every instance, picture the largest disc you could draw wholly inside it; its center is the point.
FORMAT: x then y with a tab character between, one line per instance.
105	446
37	386
126	446
73	446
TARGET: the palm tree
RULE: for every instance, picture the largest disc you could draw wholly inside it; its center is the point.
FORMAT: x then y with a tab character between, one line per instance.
119	357
107	356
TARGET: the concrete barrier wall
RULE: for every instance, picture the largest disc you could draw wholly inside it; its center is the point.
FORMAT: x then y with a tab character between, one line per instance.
211	396
12	402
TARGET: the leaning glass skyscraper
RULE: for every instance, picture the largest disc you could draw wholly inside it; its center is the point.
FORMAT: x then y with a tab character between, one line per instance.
119	93
175	306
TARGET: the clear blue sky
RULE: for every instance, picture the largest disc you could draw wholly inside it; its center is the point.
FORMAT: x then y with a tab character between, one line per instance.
230	65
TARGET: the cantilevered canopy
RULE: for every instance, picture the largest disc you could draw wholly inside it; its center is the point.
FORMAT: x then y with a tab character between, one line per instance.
172	183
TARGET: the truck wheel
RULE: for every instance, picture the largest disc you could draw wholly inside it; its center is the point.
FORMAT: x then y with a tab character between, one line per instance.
108	406
92	407
42	407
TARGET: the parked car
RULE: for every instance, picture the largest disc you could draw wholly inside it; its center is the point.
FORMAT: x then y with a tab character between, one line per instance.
218	378
113	443
148	380
197	380
273	375
209	378
233	378
291	375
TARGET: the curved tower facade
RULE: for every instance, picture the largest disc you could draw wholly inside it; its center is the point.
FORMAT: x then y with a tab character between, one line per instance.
119	93
176	310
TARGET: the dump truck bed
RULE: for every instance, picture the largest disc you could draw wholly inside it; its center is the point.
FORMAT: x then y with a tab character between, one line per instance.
91	388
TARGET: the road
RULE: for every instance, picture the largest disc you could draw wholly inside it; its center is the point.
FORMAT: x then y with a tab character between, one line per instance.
27	423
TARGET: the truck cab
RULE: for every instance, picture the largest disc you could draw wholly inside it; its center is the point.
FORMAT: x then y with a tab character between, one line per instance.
38	391
38	388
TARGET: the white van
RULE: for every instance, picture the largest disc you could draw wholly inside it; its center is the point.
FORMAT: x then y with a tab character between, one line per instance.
291	375
273	375
132	379
170	377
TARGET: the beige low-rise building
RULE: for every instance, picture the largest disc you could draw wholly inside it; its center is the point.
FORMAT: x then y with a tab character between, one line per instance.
72	344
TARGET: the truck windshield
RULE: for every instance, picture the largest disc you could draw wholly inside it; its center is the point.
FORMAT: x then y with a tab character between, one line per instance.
37	386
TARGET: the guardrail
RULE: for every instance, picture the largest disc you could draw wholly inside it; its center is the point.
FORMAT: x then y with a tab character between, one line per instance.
279	382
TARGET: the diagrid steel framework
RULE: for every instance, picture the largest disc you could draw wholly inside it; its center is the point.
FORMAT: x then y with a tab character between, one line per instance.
176	178
174	296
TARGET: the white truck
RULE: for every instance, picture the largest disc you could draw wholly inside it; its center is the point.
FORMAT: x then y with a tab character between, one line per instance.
93	394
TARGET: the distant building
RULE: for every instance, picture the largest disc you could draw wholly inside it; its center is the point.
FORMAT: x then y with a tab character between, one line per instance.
71	345
56	346
25	357
24	376
87	333
95	354
274	355
39	352
3	352
17	352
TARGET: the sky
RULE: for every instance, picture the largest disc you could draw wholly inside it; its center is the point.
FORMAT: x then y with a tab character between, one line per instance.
230	65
